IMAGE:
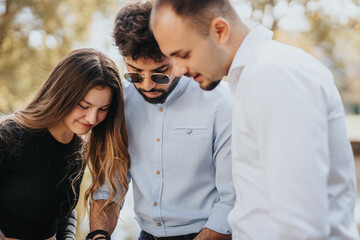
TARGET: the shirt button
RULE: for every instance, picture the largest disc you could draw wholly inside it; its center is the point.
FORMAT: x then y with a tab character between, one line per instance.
157	172
155	204
158	139
159	224
161	109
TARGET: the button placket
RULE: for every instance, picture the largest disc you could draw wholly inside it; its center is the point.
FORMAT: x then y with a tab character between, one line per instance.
157	187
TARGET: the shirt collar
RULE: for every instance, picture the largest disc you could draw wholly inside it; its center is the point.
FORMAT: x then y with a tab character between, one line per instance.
246	52
179	89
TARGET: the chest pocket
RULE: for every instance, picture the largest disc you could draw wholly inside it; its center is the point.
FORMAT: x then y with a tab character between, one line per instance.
191	149
184	131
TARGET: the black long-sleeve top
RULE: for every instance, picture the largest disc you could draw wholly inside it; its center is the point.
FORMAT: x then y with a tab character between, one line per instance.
36	174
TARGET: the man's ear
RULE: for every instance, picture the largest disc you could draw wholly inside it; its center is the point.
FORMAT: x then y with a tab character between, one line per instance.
220	30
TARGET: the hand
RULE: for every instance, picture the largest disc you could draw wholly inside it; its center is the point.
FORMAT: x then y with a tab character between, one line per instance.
208	234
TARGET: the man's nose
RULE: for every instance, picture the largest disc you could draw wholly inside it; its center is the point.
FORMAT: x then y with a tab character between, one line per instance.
147	83
179	69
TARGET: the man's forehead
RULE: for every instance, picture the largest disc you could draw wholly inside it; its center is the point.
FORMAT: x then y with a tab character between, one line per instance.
157	13
165	18
171	32
146	63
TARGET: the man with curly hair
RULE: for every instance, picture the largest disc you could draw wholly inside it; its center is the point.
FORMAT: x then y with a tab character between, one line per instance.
179	147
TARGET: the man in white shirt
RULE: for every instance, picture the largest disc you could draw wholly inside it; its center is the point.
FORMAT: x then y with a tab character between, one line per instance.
293	166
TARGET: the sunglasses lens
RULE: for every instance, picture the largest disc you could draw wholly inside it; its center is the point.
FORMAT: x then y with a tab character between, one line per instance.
133	77
160	78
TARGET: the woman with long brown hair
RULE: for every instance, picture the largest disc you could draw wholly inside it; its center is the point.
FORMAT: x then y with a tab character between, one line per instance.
42	157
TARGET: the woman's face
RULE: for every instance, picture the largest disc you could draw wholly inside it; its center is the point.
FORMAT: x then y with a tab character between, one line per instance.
91	111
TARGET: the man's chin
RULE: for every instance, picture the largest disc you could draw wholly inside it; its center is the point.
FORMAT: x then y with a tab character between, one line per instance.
164	93
208	86
156	100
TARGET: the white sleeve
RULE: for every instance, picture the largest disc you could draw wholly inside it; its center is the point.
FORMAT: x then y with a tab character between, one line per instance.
287	114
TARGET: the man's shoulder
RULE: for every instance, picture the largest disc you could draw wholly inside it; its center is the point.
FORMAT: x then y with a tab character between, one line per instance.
126	86
129	90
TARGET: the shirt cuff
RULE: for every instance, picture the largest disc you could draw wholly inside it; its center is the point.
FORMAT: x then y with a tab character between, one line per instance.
101	194
218	219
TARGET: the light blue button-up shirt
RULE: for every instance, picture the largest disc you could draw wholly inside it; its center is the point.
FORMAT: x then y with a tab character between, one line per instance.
180	159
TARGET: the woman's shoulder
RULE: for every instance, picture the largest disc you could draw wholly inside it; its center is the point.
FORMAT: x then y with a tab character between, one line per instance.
14	137
11	131
12	142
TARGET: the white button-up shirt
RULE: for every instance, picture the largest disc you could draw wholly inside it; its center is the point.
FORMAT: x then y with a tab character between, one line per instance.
293	166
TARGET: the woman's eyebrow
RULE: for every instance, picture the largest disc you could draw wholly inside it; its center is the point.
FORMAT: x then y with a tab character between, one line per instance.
93	104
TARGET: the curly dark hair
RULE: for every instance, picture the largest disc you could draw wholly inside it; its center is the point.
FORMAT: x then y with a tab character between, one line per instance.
132	35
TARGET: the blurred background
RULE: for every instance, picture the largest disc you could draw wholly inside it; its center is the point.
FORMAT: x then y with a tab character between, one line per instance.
36	34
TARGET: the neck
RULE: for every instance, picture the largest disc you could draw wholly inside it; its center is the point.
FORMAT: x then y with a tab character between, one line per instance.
239	32
60	133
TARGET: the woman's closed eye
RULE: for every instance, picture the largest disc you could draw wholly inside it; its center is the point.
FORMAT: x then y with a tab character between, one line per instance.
83	107
104	109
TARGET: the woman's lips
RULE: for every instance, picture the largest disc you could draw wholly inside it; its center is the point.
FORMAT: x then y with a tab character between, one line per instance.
85	125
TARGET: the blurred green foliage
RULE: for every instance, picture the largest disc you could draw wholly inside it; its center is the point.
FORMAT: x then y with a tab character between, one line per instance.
34	36
331	36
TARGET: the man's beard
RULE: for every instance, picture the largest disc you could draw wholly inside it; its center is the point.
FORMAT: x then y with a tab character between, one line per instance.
165	93
208	86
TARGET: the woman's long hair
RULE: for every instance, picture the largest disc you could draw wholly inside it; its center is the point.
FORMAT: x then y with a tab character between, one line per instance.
105	149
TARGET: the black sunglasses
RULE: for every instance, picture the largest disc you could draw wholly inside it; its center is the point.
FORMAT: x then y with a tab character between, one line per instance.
158	78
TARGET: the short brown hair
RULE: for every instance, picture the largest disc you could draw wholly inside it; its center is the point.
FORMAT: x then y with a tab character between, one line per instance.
199	12
132	35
